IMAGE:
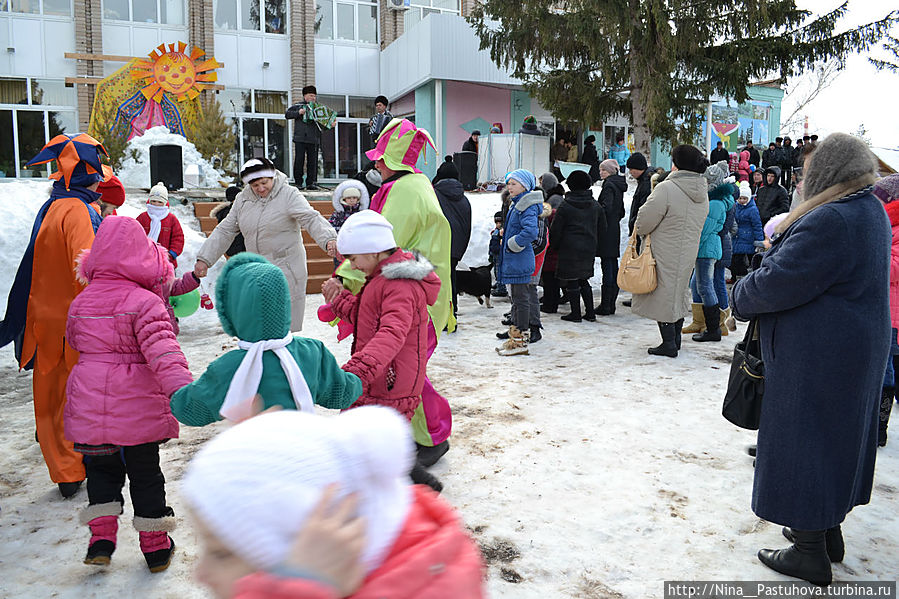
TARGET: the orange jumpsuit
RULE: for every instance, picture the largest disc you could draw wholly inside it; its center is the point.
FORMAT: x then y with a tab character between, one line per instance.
65	231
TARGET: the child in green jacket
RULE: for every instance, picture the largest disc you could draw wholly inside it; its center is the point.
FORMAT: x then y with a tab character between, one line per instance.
253	301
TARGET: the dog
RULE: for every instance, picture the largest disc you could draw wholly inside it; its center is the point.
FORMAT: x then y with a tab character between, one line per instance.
477	282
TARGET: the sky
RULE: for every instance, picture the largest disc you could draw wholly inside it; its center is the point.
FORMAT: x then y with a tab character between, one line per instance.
860	94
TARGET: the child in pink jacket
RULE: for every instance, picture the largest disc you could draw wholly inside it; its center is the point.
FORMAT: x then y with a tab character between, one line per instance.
263	494
117	410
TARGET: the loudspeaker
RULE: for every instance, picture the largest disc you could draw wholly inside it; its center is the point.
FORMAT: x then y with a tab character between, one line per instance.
165	166
467	163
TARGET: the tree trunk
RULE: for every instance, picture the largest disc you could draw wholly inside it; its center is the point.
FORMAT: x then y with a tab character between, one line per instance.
642	138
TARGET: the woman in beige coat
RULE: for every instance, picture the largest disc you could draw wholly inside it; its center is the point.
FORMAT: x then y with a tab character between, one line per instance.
673	215
269	213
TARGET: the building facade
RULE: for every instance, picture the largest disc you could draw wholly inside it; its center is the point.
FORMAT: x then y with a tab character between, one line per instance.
421	54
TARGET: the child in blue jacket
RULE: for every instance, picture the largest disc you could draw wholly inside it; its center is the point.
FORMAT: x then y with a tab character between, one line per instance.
749	231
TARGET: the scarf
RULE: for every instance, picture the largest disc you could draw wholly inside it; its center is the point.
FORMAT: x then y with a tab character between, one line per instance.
156	214
12	328
831	194
238	404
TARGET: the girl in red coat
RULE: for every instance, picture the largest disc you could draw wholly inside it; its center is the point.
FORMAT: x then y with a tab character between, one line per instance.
161	225
389	316
270	526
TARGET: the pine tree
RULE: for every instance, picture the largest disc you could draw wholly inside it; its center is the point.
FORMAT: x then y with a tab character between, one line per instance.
214	137
891	44
658	61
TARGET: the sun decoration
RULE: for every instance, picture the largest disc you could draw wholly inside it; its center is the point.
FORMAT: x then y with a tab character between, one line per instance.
175	72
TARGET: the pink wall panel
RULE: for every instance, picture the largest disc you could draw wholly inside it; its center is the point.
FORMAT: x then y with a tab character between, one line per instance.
466	102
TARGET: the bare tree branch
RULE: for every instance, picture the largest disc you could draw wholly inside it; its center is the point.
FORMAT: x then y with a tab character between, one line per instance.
804	90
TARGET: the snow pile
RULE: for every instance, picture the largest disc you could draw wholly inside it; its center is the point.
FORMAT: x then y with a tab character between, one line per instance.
19	202
137	173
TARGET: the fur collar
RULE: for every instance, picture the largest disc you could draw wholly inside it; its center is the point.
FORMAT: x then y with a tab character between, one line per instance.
528	200
416	269
829	195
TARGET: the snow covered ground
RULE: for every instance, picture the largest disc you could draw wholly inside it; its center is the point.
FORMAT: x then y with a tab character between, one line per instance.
586	470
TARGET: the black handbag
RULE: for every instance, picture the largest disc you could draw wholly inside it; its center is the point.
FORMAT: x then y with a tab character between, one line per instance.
746	383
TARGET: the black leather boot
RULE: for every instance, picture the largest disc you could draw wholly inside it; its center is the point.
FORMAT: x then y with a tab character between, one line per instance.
806	558
428	456
712	330
606	304
833	539
677	332
536	335
69	489
669	341
574	300
589	310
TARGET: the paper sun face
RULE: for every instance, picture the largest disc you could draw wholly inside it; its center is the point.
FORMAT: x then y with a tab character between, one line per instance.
174	71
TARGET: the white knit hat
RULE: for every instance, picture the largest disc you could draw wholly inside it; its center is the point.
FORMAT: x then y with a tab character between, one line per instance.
159	191
256	168
365	232
351	192
745	190
255	484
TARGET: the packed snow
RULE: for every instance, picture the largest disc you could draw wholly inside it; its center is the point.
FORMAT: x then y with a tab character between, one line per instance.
136	173
585	470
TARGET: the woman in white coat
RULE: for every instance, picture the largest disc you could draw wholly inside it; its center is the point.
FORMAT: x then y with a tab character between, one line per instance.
269	213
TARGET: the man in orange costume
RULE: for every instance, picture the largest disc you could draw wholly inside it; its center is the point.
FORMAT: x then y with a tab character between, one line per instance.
45	285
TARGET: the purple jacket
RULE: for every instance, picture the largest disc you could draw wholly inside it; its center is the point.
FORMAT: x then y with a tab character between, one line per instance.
129	363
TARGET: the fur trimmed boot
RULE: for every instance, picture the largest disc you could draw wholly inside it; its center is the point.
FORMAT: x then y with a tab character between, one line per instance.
712	330
155	542
103	520
698	323
806	559
886	405
516	344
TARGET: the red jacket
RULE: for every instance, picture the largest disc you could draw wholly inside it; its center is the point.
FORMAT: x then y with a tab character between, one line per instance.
433	558
893	212
390	317
171	237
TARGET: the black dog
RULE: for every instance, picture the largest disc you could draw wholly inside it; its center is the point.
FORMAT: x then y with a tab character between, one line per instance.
476	282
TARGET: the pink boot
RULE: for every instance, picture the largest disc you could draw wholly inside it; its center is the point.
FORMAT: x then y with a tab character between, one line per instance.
103	520
155	542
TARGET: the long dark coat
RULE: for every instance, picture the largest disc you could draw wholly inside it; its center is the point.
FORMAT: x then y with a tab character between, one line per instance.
611	198
822	298
576	225
591	157
644	188
457	210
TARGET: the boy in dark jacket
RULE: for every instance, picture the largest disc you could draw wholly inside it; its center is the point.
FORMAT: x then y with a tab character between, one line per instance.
772	199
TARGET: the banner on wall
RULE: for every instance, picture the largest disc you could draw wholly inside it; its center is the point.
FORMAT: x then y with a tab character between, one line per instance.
163	90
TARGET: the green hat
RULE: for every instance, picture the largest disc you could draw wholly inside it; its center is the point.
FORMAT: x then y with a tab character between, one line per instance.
399	145
253	299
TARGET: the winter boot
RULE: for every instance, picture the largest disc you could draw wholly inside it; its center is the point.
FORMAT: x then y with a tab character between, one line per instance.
502	335
103	520
516	344
428	456
886	404
833	539
606	305
677	332
499	290
806	558
535	334
155	542
669	341
728	322
712	330
420	476
69	489
507	320
698	323
574	300
589	310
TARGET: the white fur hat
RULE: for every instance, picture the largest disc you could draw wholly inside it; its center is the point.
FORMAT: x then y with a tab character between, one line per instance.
159	191
745	190
365	232
255	484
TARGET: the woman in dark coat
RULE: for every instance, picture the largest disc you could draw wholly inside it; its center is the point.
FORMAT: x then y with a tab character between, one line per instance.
575	228
825	344
608	248
591	157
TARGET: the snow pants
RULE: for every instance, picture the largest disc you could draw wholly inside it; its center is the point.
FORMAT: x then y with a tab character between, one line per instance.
106	479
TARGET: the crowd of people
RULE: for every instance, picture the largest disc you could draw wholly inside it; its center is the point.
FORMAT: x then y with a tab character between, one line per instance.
90	305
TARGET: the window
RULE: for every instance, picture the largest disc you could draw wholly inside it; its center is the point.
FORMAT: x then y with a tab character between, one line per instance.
167	12
261	127
422	8
33	7
27	122
347	20
269	16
